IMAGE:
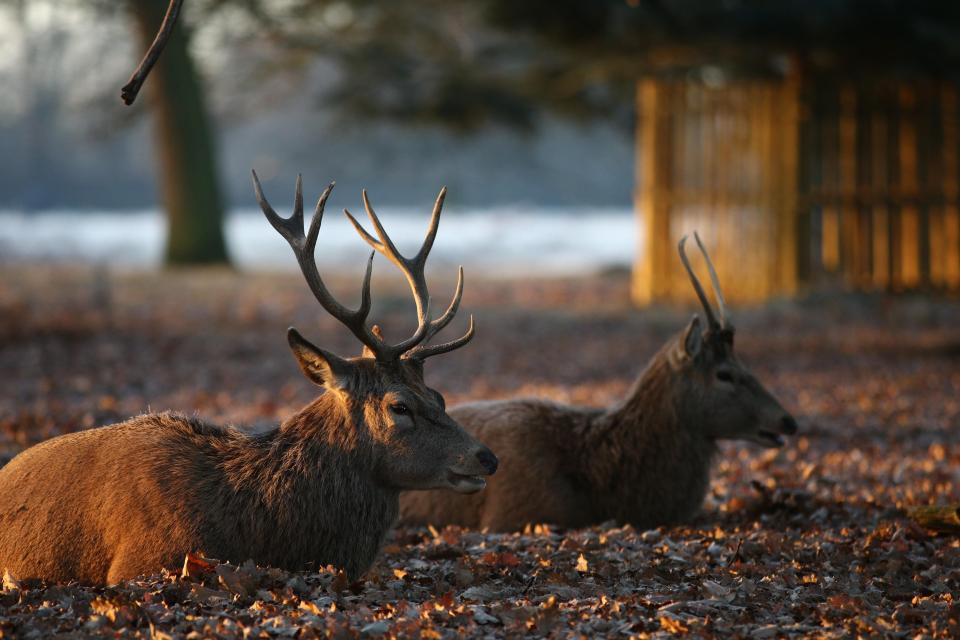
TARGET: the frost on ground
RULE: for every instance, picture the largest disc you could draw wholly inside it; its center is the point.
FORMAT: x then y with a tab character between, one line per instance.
812	539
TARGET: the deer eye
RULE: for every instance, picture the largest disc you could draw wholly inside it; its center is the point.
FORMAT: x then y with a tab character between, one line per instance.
400	409
724	376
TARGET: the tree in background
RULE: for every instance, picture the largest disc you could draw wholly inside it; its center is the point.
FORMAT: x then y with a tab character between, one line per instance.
185	144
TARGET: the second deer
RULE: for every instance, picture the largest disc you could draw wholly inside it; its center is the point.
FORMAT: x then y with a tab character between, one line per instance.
644	461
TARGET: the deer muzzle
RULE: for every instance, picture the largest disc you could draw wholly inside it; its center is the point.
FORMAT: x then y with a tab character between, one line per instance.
787	426
466	476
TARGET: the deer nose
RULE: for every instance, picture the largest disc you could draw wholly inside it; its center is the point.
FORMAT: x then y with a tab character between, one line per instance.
789	425
488	460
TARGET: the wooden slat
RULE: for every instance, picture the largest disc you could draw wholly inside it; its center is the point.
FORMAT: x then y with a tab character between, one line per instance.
830	213
646	196
908	256
880	218
951	188
785	147
847	165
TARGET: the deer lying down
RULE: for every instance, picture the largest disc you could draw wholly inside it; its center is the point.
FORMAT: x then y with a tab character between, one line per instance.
644	461
322	488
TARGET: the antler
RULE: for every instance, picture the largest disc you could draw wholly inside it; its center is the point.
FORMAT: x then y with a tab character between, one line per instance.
413	270
714	281
303	248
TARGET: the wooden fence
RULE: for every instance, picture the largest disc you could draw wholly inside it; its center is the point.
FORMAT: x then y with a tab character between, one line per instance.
798	184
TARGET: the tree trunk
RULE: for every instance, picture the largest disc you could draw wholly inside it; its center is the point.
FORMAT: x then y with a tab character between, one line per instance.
185	146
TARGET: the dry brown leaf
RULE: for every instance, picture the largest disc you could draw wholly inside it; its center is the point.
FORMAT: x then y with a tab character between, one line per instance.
195	565
943	519
105	608
582	565
502	559
310	607
672	624
9	582
235	580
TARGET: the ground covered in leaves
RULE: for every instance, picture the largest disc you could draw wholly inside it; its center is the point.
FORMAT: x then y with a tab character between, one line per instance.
809	540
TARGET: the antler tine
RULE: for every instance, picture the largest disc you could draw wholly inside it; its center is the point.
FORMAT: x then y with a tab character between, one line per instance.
303	248
390	249
297	216
431	235
370	240
290	228
413	270
424	352
317	218
696	284
715	281
437	325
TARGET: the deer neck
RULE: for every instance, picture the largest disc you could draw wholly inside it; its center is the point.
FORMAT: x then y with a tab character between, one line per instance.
648	467
300	484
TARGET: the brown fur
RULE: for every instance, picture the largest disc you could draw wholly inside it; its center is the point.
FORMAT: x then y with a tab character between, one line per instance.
322	488
645	461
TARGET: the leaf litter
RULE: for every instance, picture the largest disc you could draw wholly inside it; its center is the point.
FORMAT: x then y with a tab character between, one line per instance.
835	535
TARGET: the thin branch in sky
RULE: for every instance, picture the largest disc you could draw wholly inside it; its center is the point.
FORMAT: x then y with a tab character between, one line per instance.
130	90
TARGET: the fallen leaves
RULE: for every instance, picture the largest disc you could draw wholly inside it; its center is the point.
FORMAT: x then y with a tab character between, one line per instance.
808	540
835	584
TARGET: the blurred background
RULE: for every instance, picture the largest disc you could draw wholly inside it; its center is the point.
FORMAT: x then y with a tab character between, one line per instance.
814	145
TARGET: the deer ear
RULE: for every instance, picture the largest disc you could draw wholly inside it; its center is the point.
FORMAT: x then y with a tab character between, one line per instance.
367	351
322	367
693	338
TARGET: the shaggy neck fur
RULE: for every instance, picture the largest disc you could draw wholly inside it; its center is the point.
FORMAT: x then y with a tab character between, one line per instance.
307	493
647	464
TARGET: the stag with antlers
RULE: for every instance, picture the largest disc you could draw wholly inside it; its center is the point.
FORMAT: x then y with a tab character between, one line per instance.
645	460
322	488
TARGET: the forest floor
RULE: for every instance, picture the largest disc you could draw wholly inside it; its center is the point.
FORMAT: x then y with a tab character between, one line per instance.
808	540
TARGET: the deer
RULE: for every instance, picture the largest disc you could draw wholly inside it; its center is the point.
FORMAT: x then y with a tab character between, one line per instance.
321	488
644	461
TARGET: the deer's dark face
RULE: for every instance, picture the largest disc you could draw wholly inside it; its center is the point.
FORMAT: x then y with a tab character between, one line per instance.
720	395
419	446
414	443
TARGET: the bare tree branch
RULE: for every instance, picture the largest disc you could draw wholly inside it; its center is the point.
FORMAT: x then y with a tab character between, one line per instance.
130	90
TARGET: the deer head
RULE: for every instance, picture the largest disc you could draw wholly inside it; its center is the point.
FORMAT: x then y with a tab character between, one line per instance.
412	442
717	391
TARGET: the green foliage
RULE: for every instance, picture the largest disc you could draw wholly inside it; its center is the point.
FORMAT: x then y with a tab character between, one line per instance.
467	63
